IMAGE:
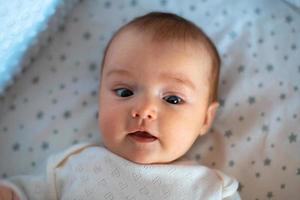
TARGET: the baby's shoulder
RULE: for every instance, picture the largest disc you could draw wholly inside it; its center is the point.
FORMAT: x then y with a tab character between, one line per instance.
228	184
78	151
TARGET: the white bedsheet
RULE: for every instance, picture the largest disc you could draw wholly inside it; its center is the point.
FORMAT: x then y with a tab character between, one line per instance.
256	136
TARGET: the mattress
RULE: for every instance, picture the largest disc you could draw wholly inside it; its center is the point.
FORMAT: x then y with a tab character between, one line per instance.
50	100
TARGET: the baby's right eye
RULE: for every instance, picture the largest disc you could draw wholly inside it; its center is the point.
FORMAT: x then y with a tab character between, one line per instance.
123	92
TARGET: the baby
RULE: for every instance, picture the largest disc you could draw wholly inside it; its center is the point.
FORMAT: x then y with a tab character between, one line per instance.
158	94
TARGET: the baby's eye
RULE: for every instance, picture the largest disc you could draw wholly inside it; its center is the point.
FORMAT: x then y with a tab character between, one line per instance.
123	92
173	99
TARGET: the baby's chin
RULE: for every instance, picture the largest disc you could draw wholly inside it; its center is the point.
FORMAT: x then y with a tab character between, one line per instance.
143	157
147	160
143	161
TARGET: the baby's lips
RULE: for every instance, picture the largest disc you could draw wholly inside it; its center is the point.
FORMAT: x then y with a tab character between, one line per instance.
142	134
143	131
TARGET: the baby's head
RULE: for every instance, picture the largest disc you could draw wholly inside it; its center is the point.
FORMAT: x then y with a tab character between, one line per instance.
158	89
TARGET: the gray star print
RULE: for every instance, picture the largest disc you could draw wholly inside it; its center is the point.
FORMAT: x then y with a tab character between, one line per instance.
293	138
16	147
40	115
288	19
251	100
265	128
270	195
228	133
270	68
67	114
45	145
267	162
241	68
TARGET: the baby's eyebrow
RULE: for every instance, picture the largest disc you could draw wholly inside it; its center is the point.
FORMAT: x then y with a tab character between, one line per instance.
179	78
118	72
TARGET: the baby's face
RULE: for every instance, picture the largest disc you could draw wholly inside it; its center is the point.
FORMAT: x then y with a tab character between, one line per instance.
153	98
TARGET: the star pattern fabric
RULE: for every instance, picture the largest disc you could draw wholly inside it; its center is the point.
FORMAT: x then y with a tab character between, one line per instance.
255	137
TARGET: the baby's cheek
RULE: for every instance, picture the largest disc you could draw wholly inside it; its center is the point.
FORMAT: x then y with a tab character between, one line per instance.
106	129
180	136
106	115
105	122
110	125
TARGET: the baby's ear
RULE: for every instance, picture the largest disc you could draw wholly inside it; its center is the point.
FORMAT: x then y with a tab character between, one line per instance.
209	118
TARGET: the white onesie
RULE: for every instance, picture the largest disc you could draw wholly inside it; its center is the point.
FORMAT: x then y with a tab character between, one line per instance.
88	172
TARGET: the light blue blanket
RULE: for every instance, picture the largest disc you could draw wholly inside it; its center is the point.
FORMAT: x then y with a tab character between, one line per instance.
22	24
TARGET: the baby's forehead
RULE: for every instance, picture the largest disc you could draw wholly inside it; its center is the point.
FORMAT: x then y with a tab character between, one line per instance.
132	36
131	39
155	37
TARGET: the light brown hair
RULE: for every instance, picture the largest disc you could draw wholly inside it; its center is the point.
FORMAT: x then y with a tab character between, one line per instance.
168	26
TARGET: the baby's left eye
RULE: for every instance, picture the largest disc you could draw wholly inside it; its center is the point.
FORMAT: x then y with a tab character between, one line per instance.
173	99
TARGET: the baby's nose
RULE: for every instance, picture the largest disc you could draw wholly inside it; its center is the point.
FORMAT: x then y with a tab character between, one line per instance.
144	115
147	112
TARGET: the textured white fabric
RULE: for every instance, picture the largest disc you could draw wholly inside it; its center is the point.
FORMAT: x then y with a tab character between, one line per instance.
86	171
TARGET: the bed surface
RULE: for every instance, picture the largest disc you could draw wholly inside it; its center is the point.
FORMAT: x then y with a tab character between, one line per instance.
256	136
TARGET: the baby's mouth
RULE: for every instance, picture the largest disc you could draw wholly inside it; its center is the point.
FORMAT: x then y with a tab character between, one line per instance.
142	136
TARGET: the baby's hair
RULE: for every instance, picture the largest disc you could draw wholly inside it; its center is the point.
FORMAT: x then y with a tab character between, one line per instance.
168	26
